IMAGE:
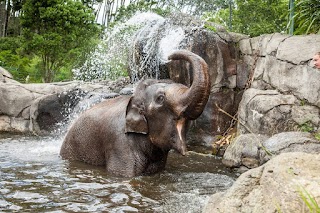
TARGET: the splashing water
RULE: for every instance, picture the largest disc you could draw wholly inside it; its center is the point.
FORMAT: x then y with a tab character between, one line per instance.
142	44
151	47
170	42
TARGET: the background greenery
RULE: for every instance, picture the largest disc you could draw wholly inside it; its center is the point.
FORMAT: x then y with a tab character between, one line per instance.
44	40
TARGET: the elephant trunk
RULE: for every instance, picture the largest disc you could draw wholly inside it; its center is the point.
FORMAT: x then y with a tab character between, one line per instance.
194	99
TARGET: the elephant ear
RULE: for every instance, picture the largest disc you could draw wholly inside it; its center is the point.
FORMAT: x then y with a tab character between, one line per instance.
135	119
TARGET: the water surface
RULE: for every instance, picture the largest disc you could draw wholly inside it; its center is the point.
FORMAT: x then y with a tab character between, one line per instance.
33	178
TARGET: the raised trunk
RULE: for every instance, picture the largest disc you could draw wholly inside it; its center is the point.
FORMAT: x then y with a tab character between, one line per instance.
195	98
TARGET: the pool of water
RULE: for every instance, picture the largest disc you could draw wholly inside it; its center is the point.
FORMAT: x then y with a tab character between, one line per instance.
33	178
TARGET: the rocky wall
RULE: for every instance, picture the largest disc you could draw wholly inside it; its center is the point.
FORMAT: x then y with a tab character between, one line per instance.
284	92
44	107
278	144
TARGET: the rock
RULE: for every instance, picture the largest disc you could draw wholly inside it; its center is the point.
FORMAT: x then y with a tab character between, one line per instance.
5	75
300	80
55	108
213	121
298	49
12	94
265	112
304	114
41	108
289	142
91	99
5	123
244	151
253	150
243	74
280	185
280	63
127	91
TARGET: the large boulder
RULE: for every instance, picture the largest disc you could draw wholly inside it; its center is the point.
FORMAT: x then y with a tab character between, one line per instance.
284	184
244	151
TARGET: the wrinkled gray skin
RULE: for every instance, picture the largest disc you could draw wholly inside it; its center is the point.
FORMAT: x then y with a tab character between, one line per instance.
132	135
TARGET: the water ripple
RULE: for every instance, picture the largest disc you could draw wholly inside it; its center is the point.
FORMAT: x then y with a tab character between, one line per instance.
33	178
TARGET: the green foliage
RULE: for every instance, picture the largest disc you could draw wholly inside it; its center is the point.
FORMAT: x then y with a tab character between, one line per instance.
209	27
256	17
253	17
10	43
11	60
306	127
15	64
62	33
307	18
90	3
33	70
220	17
317	136
64	74
125	12
310	202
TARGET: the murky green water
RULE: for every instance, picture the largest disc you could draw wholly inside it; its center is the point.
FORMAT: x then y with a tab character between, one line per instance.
33	178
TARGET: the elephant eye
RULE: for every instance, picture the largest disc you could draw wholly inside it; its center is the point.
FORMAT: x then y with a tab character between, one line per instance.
160	99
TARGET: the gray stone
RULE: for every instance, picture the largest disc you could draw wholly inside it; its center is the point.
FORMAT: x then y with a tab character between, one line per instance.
263	112
273	187
213	121
243	74
289	142
304	114
19	125
14	95
298	49
245	47
244	151
5	123
281	63
127	91
5	73
302	81
271	43
252	150
39	108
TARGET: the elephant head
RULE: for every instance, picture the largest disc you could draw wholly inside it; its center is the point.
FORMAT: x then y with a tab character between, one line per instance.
161	109
133	135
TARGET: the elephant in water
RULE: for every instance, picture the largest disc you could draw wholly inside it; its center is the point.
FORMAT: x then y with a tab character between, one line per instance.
132	136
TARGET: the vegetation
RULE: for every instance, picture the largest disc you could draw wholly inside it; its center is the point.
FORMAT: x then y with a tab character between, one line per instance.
307	18
53	37
309	200
43	40
60	32
253	17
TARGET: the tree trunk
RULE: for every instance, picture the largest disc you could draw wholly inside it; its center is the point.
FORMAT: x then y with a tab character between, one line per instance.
7	18
3	15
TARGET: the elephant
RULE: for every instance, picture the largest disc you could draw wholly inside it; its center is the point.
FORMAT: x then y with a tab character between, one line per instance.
132	135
